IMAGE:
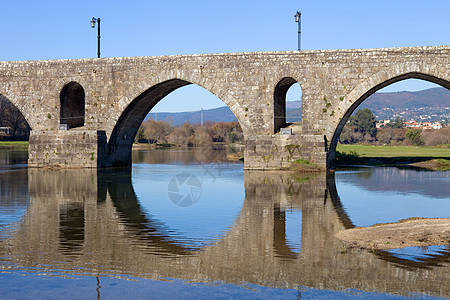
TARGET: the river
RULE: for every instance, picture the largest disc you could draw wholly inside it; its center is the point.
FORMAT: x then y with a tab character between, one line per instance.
187	223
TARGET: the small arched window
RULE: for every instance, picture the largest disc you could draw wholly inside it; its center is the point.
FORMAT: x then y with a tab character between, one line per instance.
72	105
287	111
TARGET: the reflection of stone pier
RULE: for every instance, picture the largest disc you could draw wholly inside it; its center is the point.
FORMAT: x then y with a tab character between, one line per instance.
78	219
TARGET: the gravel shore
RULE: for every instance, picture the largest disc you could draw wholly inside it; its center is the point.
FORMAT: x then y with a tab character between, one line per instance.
405	233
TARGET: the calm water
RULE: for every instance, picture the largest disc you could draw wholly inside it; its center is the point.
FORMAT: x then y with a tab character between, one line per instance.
190	224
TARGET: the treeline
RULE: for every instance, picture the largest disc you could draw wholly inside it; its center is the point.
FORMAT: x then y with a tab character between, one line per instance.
361	128
11	117
160	132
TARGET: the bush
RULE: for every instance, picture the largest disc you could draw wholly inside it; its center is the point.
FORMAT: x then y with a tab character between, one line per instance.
415	137
437	137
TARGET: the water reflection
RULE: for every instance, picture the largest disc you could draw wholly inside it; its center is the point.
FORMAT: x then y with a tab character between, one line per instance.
383	195
278	233
216	154
400	180
13	197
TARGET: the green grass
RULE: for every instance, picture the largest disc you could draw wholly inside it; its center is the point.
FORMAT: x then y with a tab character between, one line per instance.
437	158
303	166
14	145
394	151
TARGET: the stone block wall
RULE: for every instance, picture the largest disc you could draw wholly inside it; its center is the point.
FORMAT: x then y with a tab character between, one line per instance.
68	148
266	152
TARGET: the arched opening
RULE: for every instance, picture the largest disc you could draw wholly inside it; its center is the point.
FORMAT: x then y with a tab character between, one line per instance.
13	125
186	123
398	104
287	105
72	101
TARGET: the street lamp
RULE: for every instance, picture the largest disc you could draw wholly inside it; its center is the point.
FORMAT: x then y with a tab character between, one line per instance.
298	19
98	35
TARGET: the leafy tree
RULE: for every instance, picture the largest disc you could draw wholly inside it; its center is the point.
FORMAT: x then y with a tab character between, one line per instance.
190	134
364	121
140	134
156	131
415	136
398	123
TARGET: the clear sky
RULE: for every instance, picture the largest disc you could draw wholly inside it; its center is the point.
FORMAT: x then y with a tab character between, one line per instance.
32	30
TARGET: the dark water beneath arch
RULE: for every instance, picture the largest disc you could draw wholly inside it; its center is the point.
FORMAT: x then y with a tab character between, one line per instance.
189	224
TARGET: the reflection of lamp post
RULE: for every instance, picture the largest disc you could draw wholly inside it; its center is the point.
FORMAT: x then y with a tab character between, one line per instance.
98	36
298	19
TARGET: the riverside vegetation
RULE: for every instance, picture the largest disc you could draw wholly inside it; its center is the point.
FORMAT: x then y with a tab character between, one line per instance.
362	143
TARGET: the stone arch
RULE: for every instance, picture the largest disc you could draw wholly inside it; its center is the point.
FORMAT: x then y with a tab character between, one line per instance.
376	82
16	119
279	98
118	151
72	105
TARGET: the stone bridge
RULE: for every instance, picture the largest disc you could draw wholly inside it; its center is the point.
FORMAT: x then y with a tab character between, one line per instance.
102	102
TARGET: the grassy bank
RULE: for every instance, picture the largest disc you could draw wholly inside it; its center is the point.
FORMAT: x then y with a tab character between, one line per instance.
395	151
14	145
438	157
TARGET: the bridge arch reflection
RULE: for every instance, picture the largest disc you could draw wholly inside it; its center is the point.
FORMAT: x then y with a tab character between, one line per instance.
121	239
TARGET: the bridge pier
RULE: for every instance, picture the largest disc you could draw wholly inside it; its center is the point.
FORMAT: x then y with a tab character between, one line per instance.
265	152
79	148
67	148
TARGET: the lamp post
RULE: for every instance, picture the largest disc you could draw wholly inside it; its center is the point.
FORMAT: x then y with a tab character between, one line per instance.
98	35
298	19
201	117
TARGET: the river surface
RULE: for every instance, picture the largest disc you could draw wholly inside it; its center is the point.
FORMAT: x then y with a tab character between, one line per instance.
189	224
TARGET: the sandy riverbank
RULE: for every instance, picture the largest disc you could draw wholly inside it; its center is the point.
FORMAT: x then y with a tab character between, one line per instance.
405	233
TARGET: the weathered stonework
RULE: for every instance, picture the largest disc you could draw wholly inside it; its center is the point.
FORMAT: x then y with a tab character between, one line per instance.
280	151
77	148
119	92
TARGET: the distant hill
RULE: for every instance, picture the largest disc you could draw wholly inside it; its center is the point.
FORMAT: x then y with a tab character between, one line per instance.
220	114
434	97
384	105
427	105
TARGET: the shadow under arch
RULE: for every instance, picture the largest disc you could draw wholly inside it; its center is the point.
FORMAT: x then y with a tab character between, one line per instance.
279	98
331	155
118	149
11	116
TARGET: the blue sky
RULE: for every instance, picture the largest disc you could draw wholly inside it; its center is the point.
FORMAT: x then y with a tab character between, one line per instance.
32	30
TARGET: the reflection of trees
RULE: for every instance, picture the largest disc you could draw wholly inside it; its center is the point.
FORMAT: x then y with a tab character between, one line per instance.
11	158
14	188
195	155
365	173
